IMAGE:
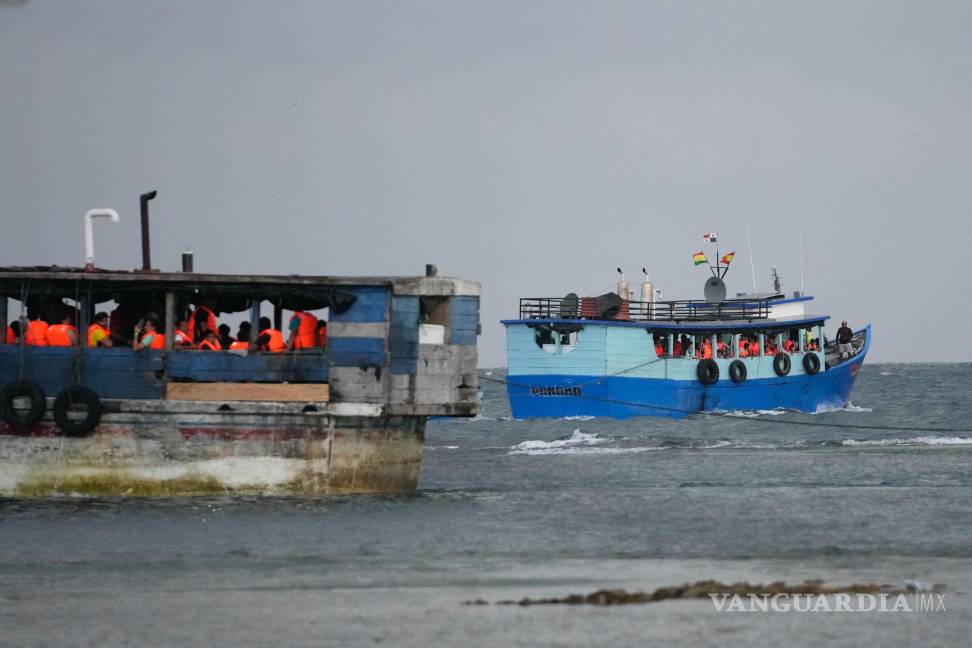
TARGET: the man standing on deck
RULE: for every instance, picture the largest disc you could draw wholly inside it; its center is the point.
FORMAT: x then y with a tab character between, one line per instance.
844	336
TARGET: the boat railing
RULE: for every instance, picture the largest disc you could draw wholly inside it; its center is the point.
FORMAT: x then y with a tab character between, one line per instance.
640	311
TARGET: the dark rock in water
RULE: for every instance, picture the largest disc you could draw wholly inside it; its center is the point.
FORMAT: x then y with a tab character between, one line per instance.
701	590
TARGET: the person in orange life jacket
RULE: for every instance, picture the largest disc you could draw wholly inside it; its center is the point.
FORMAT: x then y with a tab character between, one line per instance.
242	337
144	336
721	349
210	342
201	320
225	339
677	348
661	344
180	336
98	333
303	331
770	346
13	333
63	334
791	345
36	334
322	333
706	349
270	339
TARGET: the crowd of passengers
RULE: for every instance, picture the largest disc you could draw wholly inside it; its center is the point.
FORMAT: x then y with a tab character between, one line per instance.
701	347
201	330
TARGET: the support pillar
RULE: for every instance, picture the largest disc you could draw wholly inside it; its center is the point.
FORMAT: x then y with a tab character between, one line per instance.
170	308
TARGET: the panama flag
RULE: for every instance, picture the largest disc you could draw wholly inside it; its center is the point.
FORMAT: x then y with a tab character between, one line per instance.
711	237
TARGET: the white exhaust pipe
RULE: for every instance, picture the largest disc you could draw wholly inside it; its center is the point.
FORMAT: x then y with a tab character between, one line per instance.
89	233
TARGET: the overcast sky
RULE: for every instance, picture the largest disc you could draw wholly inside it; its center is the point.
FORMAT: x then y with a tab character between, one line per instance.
531	146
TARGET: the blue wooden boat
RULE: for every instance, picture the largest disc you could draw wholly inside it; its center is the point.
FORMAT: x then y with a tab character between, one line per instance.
613	357
346	418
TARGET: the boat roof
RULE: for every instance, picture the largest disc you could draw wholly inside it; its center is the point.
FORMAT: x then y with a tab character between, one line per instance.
305	292
665	325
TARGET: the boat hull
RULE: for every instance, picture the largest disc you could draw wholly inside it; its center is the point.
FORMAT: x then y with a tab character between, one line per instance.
617	396
257	449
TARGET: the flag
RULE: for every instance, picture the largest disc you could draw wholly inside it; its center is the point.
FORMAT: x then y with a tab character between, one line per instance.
698	258
727	258
710	237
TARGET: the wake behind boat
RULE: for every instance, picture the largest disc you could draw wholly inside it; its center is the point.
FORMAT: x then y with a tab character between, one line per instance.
616	357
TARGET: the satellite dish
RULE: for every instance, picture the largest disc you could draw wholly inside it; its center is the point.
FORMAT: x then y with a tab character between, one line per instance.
715	290
568	306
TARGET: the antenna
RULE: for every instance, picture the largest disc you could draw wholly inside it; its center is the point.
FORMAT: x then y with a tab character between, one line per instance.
776	281
801	263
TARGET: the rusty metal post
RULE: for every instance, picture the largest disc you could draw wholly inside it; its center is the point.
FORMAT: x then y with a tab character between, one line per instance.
146	246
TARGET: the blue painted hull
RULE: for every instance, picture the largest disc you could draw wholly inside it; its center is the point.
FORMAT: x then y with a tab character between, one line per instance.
558	396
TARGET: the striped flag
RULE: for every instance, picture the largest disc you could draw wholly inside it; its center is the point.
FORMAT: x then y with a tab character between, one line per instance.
727	258
698	258
710	237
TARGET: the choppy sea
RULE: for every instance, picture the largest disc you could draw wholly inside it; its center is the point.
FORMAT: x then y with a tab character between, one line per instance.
508	509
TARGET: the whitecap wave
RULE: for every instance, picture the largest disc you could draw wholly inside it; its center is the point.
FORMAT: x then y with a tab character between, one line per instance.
755	413
584	451
914	441
576	438
849	407
578	418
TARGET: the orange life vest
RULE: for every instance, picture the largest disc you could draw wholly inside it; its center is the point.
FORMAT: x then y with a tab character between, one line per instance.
659	350
210	345
11	338
240	345
707	350
790	346
37	333
181	338
721	349
92	329
58	335
157	342
211	322
276	344
306	332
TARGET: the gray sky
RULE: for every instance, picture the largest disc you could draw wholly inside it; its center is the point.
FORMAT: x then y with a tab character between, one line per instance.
532	146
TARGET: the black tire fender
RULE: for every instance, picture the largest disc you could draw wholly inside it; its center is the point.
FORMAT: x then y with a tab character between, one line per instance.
22	389
738	371
77	394
781	363
707	371
811	363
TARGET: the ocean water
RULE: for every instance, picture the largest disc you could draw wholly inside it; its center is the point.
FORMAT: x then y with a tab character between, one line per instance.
508	509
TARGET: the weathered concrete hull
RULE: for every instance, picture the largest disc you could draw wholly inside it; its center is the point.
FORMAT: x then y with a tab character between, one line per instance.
264	449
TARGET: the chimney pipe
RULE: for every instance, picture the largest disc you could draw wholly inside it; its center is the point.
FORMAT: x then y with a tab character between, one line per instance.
146	246
187	260
111	214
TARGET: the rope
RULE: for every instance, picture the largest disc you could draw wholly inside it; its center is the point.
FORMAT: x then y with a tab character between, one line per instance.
854	426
